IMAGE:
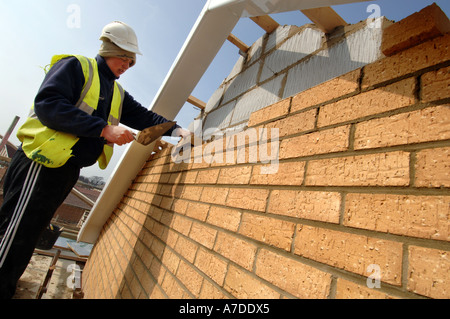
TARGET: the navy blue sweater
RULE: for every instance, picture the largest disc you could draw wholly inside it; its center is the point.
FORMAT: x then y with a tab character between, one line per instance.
60	91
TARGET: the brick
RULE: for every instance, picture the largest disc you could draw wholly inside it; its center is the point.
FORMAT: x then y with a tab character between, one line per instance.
242	285
189	177
166	167
197	210
170	260
172	288
177	169
186	248
156	170
235	175
247	154
207	176
422	56
433	168
154	227
151	189
209	291
188	192
435	85
213	152
321	206
147	283
420	126
416	216
322	142
391	97
213	266
203	234
294	124
157	248
181	224
350	290
290	173
271	231
267	134
226	218
260	153
124	293
235	249
159	160
426	24
179	206
212	157
350	252
164	153
229	158
157	293
166	217
155	201
196	152
214	195
332	89
157	271
146	257
428	272
252	199
292	276
164	178
270	112
386	169
243	138
171	238
190	278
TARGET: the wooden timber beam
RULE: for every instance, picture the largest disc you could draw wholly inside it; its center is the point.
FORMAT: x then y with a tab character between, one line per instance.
52	254
196	102
83	197
266	22
241	45
44	287
5	159
325	18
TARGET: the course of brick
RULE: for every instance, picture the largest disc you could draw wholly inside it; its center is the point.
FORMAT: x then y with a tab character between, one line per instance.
359	206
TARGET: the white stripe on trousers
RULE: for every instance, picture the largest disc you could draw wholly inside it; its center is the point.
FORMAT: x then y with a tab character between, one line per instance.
21	206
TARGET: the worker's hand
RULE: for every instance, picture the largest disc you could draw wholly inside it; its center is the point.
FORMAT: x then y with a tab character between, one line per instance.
117	135
181	132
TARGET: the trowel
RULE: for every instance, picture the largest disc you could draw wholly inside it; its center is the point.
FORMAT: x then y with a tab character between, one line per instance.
152	133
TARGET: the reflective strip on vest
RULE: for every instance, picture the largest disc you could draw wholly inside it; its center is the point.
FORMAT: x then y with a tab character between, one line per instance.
113	119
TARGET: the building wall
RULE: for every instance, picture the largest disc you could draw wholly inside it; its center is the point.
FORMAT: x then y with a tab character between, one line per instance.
288	61
358	208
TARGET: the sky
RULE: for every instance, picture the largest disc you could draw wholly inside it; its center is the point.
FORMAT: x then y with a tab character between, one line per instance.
35	30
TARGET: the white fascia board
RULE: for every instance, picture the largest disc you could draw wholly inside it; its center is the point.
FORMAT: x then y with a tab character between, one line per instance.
216	21
254	8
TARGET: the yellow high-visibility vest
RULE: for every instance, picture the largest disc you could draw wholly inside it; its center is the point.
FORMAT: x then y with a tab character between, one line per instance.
53	148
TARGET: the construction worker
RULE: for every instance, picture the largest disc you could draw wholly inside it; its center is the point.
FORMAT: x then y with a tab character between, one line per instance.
74	123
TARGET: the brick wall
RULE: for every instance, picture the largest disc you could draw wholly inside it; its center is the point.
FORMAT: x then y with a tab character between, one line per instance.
359	206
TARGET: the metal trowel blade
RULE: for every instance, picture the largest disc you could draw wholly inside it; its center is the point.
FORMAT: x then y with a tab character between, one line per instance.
152	133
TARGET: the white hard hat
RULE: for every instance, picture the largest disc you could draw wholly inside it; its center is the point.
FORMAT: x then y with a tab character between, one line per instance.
122	35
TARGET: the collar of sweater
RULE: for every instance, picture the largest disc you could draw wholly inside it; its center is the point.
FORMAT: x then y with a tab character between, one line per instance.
104	68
